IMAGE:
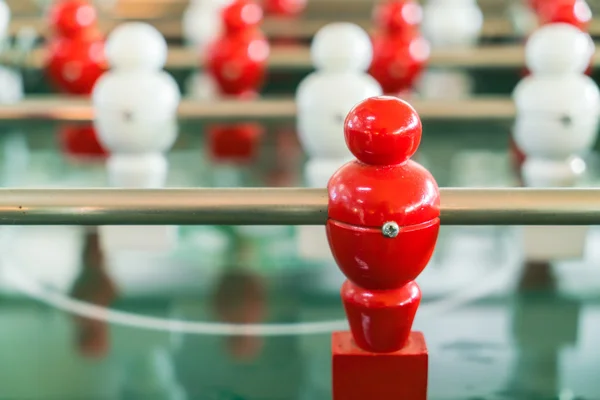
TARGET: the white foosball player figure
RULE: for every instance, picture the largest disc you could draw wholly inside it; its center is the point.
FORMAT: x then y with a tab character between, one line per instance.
341	54
557	121
136	119
202	23
452	25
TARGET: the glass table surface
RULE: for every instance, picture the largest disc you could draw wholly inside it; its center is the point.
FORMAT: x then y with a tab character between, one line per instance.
78	323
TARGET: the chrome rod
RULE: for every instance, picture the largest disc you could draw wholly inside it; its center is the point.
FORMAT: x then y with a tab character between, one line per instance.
291	206
58	108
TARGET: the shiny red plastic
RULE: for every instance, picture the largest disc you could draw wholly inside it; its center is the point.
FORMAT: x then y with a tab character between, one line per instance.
74	65
388	314
384	186
375	262
358	375
369	196
72	18
383	131
284	8
573	12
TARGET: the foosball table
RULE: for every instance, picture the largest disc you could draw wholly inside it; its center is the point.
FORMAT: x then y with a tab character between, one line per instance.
236	199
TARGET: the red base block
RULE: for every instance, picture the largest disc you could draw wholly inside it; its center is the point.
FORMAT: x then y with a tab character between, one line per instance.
360	375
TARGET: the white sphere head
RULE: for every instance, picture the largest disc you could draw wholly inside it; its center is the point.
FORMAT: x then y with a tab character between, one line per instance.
452	23
341	46
136	45
558	49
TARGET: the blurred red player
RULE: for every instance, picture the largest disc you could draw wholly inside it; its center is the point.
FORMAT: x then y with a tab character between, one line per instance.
76	50
399	51
237	61
75	62
573	12
382	227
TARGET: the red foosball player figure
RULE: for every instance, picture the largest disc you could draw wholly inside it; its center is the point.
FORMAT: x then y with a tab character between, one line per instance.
75	62
382	229
76	50
237	62
400	53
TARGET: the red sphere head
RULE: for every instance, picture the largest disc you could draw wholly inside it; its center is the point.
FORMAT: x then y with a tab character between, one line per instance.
573	12
242	15
383	130
72	17
398	15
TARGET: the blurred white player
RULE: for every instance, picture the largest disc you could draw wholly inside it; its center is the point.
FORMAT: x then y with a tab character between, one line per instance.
202	23
136	119
557	122
452	25
341	54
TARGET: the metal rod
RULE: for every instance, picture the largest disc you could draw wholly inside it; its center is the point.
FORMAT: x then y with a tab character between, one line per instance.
294	58
292	206
55	108
305	28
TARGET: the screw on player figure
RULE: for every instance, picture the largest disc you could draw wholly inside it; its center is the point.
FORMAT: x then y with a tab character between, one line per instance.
399	51
383	222
76	50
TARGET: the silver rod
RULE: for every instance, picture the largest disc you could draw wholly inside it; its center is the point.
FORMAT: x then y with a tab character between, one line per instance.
58	108
291	206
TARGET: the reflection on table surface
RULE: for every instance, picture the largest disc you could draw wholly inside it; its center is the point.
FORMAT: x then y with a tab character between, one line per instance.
498	327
